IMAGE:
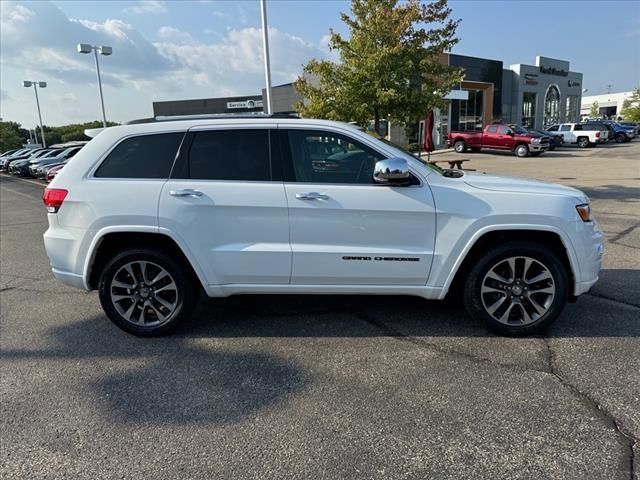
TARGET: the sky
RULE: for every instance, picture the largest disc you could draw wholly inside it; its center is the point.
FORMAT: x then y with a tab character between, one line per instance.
168	50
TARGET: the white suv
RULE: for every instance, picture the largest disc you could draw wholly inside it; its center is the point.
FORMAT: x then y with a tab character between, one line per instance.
151	214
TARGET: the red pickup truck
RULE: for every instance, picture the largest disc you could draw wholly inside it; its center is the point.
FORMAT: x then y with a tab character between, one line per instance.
500	137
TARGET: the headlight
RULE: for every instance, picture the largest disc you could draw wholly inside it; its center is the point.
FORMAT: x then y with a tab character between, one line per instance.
535	140
584	210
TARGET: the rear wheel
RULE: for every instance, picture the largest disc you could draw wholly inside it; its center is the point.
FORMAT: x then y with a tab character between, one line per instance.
459	146
146	292
522	151
517	289
583	142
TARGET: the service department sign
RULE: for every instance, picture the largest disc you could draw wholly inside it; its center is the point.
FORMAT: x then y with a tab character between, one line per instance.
245	104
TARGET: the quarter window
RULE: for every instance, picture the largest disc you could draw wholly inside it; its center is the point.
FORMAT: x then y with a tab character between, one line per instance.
144	156
230	155
327	157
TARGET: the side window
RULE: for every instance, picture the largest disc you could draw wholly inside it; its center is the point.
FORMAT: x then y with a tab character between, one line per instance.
492	129
565	128
230	155
327	157
553	129
503	130
577	127
143	156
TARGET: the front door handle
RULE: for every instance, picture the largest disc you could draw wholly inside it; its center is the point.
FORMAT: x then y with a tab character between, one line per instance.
312	196
185	192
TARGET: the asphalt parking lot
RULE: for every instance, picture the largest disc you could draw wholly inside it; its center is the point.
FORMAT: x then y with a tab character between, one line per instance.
326	387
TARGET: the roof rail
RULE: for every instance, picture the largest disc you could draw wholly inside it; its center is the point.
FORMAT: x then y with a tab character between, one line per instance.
213	116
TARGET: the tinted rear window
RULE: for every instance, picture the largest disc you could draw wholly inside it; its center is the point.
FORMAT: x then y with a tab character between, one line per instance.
144	156
230	155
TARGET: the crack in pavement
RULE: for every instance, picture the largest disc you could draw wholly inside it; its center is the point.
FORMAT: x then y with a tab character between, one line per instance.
626	437
624	232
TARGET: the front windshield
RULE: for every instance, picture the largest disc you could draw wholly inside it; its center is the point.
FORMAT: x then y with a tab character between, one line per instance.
404	153
518	129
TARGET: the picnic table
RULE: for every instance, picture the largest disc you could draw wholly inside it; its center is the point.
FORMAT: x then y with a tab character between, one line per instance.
457	163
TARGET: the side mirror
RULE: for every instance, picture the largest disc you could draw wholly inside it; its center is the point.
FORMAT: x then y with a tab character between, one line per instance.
391	171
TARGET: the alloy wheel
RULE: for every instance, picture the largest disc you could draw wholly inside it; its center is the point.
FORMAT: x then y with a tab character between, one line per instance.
517	291
144	293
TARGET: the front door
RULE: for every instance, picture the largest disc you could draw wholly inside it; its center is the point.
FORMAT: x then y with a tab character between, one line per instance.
228	208
344	229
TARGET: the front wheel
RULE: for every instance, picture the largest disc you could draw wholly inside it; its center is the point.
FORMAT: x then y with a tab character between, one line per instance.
459	146
522	151
517	289
146	292
620	137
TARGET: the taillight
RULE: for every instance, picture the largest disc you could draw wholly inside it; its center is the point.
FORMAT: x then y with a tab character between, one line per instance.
597	134
53	198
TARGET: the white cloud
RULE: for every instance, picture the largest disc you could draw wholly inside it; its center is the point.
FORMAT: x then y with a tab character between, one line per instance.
146	7
239	54
173	35
175	65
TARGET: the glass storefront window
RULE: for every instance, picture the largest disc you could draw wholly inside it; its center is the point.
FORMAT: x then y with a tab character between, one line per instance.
552	106
528	109
571	111
467	114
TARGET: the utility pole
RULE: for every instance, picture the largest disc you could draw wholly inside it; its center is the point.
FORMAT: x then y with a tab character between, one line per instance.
265	46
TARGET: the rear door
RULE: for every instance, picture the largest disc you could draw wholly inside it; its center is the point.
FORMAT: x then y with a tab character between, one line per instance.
228	207
344	229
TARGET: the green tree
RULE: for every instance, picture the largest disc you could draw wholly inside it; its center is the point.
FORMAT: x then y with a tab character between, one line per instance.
593	111
631	107
10	137
390	66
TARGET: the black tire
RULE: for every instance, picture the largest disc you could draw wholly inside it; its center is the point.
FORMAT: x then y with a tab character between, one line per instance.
186	292
459	146
620	137
521	150
583	142
473	298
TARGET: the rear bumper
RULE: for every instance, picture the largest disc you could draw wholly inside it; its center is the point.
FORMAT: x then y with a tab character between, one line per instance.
69	278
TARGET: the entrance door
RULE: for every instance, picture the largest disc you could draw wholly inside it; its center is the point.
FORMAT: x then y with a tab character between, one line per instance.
345	229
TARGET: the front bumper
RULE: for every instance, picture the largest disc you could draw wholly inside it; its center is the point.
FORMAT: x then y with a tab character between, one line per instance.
538	147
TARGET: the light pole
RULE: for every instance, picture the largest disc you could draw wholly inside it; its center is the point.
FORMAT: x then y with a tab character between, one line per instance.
104	50
265	47
29	83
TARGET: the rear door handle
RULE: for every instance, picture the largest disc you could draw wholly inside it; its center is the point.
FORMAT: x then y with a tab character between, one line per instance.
185	192
312	196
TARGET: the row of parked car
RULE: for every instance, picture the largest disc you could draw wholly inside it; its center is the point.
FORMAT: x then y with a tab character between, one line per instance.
524	142
41	163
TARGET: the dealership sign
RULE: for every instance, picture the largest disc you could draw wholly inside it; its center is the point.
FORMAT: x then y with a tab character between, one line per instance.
554	71
245	104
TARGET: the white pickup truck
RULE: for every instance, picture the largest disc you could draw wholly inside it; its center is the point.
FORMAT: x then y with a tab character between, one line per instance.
151	214
580	134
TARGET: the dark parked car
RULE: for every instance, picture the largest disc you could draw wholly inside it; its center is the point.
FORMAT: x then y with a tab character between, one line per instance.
555	139
6	162
60	157
634	125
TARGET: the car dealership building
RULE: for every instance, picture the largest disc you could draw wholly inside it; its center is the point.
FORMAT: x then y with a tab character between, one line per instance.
534	96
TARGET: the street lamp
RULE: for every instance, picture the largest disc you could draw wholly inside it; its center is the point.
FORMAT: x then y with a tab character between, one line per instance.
104	50
28	83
